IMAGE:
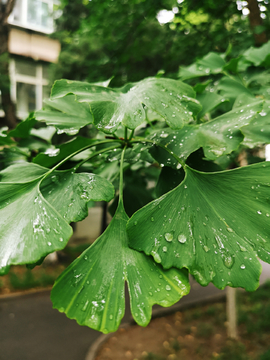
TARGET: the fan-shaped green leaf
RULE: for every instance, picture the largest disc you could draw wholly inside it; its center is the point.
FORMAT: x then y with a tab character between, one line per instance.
257	55
217	137
62	151
257	132
30	227
22	130
210	101
4	137
212	63
66	114
171	99
92	289
231	88
214	224
69	192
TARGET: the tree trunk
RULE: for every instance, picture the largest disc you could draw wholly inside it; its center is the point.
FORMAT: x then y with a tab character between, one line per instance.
8	107
231	312
256	20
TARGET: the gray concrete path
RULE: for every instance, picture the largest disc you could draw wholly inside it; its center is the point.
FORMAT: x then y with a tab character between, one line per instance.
31	330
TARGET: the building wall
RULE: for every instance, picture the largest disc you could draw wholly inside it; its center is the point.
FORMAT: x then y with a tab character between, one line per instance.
33	45
32	51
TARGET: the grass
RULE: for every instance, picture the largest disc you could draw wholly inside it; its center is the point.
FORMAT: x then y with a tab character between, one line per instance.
21	278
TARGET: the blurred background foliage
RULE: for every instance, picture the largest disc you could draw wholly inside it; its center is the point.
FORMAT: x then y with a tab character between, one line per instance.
133	39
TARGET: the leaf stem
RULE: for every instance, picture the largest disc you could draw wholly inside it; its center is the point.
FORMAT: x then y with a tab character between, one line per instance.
82	149
121	182
95	154
126	133
131	135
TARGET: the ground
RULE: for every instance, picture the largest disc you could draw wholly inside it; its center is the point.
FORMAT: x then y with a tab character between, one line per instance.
198	333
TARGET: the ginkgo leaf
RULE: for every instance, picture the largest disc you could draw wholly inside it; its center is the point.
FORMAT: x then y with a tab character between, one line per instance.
231	88
213	224
62	151
257	55
257	132
92	289
171	99
217	137
23	129
212	63
30	227
209	102
69	192
66	114
4	137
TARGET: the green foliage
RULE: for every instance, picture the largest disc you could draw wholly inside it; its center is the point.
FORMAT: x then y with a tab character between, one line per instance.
162	156
124	38
265	356
233	351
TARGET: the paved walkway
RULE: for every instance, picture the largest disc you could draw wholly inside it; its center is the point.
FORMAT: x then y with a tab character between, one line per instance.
31	330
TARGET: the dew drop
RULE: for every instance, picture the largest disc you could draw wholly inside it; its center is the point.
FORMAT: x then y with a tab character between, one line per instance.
182	239
156	256
228	262
242	248
61	239
152	219
135	222
206	248
49	243
229	229
242	266
167	287
85	305
151	294
111	317
169	237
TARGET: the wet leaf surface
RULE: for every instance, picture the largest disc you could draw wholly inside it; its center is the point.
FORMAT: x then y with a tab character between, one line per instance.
91	289
69	192
214	224
217	137
171	99
30	227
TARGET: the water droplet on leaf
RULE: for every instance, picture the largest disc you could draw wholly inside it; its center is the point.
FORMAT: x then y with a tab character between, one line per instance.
169	236
182	239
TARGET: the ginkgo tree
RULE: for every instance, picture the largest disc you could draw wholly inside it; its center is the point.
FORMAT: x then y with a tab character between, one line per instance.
201	218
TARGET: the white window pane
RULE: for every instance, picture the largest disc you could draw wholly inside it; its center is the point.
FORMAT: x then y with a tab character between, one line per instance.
33	12
17	11
25	68
45	92
45	18
26	97
45	72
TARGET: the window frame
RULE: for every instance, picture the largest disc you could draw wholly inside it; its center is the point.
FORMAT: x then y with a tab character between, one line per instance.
24	23
38	80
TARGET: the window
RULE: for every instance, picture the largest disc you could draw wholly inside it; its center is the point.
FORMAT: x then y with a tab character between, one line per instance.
29	85
33	14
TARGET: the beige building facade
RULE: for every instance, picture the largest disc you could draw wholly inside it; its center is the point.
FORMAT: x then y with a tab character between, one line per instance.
31	52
